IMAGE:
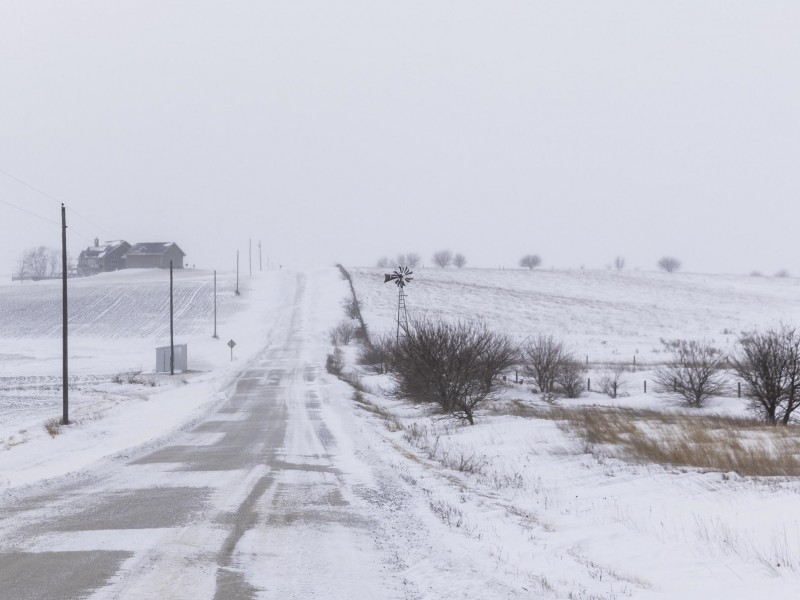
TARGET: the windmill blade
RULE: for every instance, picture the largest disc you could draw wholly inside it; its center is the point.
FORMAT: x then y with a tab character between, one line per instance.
387	278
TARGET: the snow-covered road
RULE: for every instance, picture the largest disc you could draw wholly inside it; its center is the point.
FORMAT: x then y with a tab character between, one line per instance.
264	498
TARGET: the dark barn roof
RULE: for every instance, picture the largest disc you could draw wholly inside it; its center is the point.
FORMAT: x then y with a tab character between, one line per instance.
101	250
152	249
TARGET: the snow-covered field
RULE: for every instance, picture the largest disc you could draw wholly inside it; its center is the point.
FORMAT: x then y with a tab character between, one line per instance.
116	399
547	511
517	505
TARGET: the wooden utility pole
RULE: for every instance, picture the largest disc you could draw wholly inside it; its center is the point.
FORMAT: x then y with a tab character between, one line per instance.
65	349
259	256
250	257
215	305
237	272
171	328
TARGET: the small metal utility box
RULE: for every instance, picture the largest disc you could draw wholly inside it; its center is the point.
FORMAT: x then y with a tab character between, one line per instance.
162	359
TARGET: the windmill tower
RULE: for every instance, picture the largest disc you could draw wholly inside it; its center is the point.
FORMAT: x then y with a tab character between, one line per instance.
401	276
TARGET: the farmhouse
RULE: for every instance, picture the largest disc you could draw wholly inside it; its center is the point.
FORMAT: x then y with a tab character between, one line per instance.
102	258
151	255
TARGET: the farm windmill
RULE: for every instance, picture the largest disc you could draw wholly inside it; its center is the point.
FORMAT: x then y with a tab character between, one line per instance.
401	276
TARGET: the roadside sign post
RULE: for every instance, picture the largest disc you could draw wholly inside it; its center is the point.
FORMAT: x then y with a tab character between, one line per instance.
231	344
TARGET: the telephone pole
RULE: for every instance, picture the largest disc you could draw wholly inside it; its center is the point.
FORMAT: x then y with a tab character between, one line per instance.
259	256
215	305
237	272
250	257
65	349
171	328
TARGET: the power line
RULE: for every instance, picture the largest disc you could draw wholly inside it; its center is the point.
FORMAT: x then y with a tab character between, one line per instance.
33	214
54	199
28	185
38	216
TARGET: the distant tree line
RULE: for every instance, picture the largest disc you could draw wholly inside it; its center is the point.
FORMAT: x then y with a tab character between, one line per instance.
39	262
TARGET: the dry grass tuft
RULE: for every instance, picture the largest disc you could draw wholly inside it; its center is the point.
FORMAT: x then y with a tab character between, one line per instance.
714	443
391	421
53	426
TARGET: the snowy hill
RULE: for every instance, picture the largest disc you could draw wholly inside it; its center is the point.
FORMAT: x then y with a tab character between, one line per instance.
603	314
566	512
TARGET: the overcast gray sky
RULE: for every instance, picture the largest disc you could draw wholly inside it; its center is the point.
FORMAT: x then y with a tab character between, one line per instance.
343	131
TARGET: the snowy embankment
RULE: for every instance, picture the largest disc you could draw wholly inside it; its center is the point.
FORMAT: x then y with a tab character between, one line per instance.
117	401
555	514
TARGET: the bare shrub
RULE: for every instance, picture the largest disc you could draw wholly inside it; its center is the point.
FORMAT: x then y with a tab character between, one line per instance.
569	378
343	333
695	373
378	354
782	274
383	262
460	260
554	370
619	263
612	382
769	365
134	377
669	264
335	362
442	258
351	308
450	366
530	261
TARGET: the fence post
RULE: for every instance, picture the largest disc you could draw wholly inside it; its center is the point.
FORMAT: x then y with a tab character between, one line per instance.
615	388
634	360
739	389
588	385
645	386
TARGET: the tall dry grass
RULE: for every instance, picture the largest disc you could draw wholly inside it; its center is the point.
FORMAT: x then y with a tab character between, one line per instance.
708	442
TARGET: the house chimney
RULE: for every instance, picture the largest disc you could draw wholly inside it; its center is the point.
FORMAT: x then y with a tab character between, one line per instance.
96	242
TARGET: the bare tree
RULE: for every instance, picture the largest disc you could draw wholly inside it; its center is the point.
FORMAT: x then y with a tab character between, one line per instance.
619	263
22	266
451	366
383	262
554	369
783	273
530	261
442	258
39	262
459	260
669	264
769	365
412	260
54	263
695	373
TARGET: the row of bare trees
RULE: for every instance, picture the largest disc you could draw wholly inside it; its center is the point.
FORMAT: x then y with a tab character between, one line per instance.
39	262
445	258
440	258
455	367
767	363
